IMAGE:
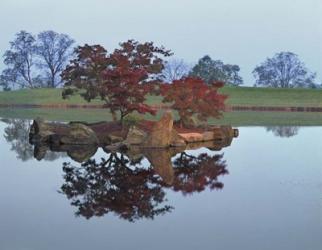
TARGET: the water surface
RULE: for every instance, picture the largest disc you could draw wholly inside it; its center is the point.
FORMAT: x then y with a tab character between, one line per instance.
264	191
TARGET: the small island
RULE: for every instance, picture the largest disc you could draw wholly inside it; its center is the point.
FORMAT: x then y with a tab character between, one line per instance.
81	140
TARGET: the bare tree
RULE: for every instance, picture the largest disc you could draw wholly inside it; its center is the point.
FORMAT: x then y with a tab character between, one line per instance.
54	51
20	62
174	70
284	70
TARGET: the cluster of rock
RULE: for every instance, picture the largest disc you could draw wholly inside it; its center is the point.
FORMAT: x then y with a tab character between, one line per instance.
81	140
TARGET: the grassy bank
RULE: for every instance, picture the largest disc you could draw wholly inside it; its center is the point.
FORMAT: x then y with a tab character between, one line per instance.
230	118
242	96
252	96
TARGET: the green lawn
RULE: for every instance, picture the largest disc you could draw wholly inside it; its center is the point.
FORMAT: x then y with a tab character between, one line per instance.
40	96
237	96
252	96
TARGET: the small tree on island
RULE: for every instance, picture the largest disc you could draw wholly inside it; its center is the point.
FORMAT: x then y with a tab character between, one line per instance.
121	79
193	97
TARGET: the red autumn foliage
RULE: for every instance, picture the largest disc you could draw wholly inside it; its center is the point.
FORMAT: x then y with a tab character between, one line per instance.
193	97
85	71
134	67
122	79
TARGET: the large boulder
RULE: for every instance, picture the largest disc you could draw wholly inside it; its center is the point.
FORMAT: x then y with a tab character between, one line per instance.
80	134
192	137
41	131
161	132
135	136
176	140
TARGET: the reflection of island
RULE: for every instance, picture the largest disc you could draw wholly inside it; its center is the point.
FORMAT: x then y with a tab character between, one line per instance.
119	182
283	131
125	187
17	134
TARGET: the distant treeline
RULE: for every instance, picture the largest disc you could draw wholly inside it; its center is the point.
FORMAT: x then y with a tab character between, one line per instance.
34	61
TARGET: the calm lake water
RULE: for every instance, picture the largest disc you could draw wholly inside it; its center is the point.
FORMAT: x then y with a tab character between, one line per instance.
264	191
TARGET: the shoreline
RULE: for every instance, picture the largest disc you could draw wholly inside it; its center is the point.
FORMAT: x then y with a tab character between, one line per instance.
228	108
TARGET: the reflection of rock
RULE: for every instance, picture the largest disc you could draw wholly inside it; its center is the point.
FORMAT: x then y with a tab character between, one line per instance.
160	159
212	145
40	151
79	153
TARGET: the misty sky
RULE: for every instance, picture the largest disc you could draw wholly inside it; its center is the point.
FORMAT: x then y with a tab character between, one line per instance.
242	32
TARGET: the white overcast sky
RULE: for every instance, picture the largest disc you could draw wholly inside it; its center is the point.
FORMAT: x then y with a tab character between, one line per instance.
242	32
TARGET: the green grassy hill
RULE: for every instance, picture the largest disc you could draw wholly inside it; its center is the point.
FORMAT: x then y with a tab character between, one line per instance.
244	96
252	96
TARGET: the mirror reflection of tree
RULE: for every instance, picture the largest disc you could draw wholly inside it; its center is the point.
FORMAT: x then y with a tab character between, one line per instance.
114	186
283	131
196	173
17	134
132	191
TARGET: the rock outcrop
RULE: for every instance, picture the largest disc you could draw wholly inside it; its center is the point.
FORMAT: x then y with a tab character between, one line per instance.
160	134
135	136
79	134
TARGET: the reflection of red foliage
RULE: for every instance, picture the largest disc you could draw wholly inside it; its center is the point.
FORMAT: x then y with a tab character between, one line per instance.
194	174
192	96
111	186
123	187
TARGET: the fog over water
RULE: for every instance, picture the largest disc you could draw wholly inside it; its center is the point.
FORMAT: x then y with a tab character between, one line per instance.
238	32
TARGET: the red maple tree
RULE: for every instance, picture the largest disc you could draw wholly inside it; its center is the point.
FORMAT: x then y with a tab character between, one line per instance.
193	97
122	79
133	70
